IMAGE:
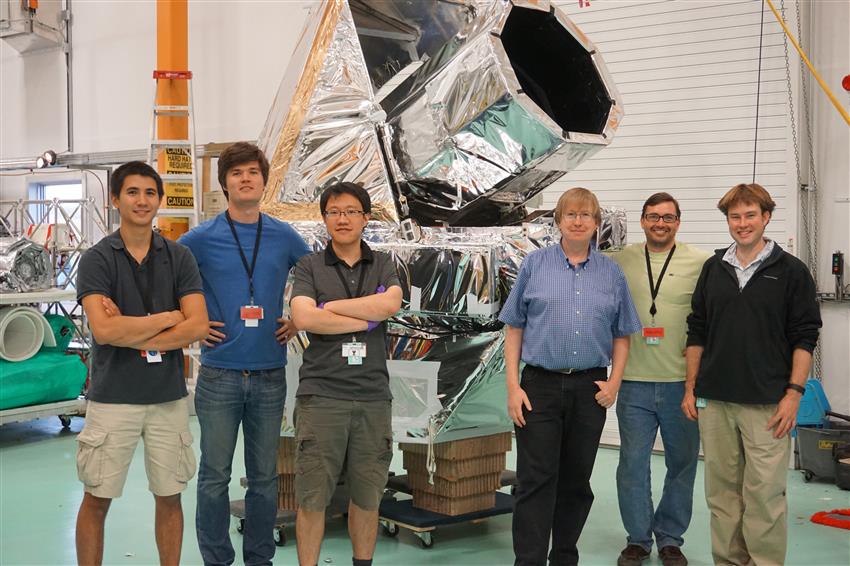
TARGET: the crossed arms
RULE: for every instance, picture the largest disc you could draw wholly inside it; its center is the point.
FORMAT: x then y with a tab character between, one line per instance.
162	332
345	315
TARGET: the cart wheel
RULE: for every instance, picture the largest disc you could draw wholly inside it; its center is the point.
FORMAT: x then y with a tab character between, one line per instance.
240	526
808	475
65	420
280	537
425	539
390	529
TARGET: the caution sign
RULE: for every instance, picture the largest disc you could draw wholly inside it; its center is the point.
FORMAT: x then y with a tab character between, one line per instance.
178	161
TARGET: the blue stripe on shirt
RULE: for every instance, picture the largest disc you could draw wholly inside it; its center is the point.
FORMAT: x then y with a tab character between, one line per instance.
569	314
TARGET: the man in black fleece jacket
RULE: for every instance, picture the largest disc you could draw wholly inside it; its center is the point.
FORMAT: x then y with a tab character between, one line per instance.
751	334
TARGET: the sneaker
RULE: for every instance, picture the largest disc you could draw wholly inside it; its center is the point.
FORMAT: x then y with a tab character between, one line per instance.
632	555
672	556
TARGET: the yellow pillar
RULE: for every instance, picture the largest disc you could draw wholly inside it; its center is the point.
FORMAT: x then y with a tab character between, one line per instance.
172	54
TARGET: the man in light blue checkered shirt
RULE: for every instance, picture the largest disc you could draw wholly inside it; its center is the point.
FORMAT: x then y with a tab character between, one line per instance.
569	316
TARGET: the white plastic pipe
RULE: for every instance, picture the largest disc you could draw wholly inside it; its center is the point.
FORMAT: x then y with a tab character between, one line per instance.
23	331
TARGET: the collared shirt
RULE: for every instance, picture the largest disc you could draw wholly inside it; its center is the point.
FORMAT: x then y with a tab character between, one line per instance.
570	314
745	273
122	375
324	371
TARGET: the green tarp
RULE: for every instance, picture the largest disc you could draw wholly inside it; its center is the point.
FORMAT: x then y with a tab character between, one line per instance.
46	378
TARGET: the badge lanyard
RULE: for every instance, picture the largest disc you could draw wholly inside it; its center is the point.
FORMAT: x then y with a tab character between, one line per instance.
353	351
654	287
145	293
151	356
248	270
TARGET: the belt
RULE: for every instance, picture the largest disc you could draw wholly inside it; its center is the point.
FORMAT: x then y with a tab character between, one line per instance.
575	371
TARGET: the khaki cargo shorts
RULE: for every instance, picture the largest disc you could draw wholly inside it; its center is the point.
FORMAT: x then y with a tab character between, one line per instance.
106	445
333	437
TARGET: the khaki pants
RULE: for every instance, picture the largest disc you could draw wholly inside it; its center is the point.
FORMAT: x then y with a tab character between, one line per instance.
746	470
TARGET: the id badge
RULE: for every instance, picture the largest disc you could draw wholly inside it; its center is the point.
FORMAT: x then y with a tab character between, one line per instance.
653	335
252	315
701	403
152	356
354	352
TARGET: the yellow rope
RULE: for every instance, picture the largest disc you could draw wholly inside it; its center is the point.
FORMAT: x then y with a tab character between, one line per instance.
841	109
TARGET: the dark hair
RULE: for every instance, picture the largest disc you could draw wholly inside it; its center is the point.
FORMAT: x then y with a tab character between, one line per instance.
657	199
116	181
239	154
746	194
345	188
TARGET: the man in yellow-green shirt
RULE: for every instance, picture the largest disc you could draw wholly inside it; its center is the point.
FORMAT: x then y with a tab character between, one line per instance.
661	275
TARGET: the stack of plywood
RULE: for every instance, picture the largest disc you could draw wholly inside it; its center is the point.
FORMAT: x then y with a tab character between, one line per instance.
286	474
467	476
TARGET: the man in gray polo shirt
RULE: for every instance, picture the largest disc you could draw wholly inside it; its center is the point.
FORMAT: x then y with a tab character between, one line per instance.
343	413
144	301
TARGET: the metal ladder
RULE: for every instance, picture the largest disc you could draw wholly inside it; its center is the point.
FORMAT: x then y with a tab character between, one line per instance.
179	147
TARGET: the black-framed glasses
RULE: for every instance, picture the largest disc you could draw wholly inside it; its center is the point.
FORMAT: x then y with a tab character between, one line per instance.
351	213
667	218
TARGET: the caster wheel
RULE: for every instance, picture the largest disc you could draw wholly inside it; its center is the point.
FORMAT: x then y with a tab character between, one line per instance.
807	476
279	537
65	420
240	526
426	540
390	529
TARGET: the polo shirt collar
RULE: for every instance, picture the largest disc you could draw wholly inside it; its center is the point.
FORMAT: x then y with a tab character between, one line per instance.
332	259
117	243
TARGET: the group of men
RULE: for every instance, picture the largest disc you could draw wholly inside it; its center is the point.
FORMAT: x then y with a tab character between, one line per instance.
726	341
223	284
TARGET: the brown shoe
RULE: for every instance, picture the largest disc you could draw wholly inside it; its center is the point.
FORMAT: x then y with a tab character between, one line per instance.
632	555
672	556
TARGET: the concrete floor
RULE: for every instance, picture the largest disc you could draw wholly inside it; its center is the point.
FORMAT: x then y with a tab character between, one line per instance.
39	496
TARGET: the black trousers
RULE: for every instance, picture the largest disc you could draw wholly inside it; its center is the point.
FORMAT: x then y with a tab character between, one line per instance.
556	450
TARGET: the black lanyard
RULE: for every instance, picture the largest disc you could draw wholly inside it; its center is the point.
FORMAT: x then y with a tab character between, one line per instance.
653	286
248	270
144	293
345	283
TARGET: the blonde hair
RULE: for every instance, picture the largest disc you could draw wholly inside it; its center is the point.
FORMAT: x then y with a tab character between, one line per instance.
582	198
746	194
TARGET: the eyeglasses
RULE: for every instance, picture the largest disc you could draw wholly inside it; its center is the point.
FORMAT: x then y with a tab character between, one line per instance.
583	216
667	218
335	214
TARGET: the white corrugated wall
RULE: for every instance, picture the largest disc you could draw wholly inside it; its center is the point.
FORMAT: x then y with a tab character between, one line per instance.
687	71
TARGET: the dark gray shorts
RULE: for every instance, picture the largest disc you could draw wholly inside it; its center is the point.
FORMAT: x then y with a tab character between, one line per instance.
333	436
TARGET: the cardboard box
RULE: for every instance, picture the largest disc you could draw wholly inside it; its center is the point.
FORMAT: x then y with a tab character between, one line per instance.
477	485
286	492
453	505
286	455
455	469
465	448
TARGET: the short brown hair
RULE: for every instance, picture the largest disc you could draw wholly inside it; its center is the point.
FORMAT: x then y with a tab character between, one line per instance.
657	199
581	197
239	154
752	193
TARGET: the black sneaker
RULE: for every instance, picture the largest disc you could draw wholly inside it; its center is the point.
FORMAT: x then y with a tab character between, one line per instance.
672	556
632	555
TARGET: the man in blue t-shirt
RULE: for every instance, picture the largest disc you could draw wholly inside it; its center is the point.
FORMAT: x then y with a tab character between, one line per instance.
244	258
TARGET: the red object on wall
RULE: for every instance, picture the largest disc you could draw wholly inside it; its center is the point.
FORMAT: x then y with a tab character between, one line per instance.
845	82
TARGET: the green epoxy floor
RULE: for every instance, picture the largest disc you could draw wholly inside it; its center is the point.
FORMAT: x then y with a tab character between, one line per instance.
39	496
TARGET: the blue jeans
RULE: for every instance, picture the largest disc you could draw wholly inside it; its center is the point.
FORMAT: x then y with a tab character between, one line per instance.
643	407
223	399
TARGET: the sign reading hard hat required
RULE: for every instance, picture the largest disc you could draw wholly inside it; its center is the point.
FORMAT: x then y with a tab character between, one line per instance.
178	161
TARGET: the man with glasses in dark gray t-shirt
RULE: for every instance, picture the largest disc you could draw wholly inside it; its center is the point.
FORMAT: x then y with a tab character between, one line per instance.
343	412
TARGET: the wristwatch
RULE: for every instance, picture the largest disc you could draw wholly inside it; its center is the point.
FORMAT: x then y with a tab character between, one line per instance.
798	388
